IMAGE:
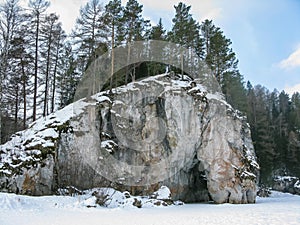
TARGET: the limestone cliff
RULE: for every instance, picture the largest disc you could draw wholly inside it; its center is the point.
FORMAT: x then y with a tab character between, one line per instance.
159	131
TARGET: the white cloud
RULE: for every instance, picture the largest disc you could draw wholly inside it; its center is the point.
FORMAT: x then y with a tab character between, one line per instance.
291	90
292	61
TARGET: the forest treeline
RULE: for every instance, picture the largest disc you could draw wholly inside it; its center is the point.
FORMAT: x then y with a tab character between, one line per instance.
41	65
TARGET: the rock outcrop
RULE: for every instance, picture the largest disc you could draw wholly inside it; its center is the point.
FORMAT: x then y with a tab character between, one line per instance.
159	131
287	184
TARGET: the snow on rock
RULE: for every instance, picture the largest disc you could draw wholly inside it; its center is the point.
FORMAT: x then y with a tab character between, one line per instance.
288	184
297	184
109	145
27	160
297	187
285	178
111	198
101	141
162	193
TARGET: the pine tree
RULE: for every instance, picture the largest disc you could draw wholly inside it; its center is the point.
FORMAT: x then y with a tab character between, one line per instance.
281	131
262	130
185	32
185	29
89	33
157	32
223	63
292	162
10	22
59	46
112	18
68	77
234	90
208	30
294	118
22	60
218	54
38	7
134	28
51	35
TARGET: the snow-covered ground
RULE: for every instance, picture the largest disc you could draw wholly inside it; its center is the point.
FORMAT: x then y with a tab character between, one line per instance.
61	210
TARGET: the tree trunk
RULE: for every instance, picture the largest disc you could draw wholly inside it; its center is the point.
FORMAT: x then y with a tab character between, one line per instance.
181	63
128	60
112	55
45	113
24	93
0	102
16	108
36	67
54	78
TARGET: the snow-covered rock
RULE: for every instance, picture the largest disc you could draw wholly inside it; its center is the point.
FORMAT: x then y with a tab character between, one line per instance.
111	198
155	132
163	193
288	184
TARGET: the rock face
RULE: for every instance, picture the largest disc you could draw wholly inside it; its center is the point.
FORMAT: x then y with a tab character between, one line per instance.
227	156
159	131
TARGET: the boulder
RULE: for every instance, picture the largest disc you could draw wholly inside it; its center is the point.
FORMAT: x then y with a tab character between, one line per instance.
287	184
160	131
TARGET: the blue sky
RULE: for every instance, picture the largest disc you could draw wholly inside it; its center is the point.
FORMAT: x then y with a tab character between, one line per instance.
265	34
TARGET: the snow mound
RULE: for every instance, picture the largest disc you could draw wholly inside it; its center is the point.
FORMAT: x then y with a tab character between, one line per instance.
111	198
163	193
15	202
